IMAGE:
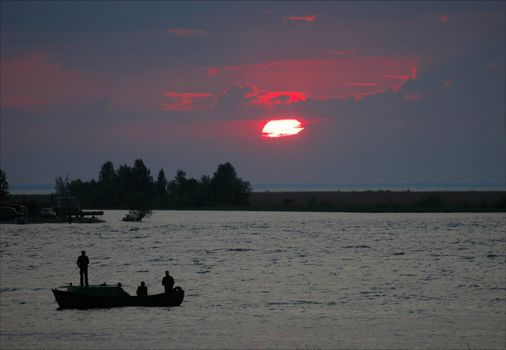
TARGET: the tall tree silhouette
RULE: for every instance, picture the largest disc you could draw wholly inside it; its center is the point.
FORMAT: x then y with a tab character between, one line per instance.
107	173
161	188
227	189
4	186
107	185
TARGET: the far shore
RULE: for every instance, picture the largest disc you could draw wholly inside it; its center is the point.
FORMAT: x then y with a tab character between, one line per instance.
337	201
381	201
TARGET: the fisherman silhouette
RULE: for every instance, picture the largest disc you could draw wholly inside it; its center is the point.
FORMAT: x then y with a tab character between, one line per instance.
83	262
168	282
142	290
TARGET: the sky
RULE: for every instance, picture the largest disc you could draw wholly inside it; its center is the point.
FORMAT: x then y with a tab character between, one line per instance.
385	92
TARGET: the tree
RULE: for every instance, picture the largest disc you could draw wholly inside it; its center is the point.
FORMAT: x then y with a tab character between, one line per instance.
133	188
125	178
67	205
107	173
176	188
88	193
161	189
4	186
62	187
107	193
227	188
161	183
142	176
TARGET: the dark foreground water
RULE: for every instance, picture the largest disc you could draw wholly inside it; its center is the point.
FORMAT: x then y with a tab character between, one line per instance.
264	280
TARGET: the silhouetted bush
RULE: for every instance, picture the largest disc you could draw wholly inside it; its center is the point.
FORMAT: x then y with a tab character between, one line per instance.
137	215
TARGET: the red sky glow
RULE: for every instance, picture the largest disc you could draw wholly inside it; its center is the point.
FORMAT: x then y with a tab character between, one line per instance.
391	91
185	101
186	32
310	18
324	78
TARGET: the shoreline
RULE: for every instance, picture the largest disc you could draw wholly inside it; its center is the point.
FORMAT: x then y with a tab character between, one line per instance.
382	201
329	201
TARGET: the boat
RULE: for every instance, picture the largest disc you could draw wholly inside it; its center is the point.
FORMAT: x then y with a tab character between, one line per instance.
107	296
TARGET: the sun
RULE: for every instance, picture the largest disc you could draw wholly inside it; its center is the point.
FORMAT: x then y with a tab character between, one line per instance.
282	128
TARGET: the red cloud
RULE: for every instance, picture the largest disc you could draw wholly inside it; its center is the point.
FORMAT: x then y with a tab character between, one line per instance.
275	84
185	101
448	84
413	72
186	32
325	78
398	76
308	19
356	95
22	101
271	99
341	52
443	19
212	72
36	79
401	78
353	83
496	65
413	96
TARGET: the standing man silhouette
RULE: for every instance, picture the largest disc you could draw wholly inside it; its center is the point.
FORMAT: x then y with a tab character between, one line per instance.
83	262
168	282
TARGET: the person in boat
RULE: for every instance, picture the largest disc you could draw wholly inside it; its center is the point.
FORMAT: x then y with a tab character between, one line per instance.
83	262
142	290
167	282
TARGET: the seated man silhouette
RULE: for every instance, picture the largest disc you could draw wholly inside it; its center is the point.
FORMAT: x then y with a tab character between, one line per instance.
142	290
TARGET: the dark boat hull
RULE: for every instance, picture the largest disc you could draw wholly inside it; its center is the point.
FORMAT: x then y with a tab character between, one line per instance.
69	300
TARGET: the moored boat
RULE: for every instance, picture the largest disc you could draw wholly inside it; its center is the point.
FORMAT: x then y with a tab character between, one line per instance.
107	296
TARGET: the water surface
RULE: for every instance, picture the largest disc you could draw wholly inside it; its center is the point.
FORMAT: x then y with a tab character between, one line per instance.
264	280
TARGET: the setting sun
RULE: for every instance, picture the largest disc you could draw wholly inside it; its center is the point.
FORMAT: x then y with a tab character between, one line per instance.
282	128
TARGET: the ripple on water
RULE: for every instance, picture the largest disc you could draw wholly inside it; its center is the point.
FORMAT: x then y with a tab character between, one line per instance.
240	250
360	246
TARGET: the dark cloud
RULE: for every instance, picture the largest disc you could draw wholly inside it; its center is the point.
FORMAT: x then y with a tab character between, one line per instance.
449	132
238	102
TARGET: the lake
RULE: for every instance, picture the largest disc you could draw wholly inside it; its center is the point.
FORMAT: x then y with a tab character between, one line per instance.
264	280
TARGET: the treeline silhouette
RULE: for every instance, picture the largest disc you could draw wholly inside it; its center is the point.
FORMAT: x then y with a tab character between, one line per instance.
135	188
